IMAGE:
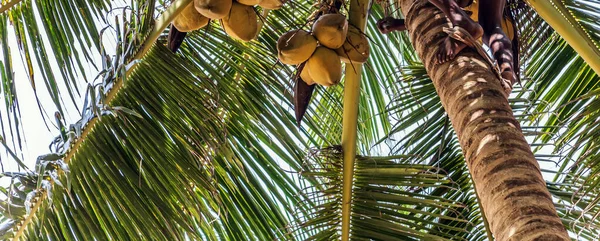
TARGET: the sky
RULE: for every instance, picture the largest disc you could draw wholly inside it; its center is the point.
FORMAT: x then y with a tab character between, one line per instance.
36	135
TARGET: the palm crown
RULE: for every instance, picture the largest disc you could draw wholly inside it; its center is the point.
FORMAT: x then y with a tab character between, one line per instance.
203	144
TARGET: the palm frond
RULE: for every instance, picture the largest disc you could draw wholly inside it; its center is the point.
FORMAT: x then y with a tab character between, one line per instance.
566	89
216	152
207	171
58	42
391	200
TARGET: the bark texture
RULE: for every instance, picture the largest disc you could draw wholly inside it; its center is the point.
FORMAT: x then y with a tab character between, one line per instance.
513	193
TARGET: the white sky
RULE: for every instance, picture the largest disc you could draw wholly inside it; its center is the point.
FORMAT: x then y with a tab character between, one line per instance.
36	136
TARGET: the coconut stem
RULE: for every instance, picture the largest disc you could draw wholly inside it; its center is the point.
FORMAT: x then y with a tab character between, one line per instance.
30	216
8	5
358	13
261	21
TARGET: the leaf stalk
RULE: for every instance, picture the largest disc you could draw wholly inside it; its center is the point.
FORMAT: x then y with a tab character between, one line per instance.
563	22
358	13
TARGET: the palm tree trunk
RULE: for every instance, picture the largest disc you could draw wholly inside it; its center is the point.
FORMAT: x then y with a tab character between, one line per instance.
509	183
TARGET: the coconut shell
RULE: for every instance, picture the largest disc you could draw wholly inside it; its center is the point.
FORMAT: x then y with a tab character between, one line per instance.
189	19
331	30
356	48
272	4
324	67
249	2
296	46
241	23
213	9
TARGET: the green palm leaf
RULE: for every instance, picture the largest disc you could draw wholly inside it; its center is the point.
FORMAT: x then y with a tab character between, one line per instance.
216	154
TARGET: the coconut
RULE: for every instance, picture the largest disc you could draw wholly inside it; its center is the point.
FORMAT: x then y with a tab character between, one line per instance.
241	23
271	4
331	30
507	27
305	76
296	46
324	67
189	19
473	9
249	2
213	9
356	48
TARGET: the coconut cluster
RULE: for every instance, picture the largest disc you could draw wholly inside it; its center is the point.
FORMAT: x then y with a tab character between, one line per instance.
330	40
237	17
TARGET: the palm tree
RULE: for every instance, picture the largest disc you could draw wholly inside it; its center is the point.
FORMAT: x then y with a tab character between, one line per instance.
510	187
203	144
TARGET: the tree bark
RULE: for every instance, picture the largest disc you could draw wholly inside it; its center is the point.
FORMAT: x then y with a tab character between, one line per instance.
512	191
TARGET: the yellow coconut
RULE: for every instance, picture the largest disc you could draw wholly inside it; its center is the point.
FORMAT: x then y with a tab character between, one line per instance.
473	9
250	2
324	67
213	9
241	23
272	4
296	46
189	19
356	48
507	27
306	76
331	30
